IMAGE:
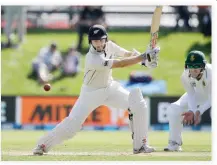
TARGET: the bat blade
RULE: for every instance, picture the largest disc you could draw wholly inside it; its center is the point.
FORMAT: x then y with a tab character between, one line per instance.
156	19
155	26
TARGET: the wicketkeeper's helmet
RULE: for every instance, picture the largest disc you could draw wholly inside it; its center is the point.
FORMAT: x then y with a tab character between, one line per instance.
195	59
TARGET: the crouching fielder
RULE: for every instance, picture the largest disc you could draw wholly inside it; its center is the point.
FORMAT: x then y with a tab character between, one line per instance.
196	80
99	88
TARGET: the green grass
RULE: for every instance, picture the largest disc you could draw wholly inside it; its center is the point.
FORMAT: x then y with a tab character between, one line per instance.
93	145
16	63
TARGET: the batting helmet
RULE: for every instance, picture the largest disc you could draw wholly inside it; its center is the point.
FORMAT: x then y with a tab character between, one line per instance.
97	32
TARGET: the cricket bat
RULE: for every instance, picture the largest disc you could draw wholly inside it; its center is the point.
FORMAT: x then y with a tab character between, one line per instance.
155	24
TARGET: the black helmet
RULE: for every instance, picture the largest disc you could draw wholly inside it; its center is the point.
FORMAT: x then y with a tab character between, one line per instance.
53	45
195	59
97	32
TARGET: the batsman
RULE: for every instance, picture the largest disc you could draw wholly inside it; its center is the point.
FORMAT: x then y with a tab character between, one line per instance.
196	80
99	88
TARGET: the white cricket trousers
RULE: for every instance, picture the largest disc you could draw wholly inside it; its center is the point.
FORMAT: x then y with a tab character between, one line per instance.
11	14
112	96
175	119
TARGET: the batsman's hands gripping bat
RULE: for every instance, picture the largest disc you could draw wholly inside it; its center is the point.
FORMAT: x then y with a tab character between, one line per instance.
152	59
154	54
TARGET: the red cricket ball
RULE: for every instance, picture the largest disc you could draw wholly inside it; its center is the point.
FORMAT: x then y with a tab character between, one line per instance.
47	87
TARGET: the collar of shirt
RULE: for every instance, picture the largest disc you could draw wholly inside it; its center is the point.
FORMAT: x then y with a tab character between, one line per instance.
92	50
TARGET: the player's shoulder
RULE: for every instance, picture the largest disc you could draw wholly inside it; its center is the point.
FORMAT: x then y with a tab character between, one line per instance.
111	44
57	52
185	73
208	67
88	59
185	76
208	71
44	49
90	53
90	56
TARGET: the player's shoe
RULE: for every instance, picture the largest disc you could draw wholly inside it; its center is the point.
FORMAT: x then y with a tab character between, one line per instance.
144	149
39	150
173	146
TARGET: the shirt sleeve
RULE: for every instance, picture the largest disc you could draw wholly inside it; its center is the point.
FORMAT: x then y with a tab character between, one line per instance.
190	91
208	103
41	55
118	51
57	58
205	106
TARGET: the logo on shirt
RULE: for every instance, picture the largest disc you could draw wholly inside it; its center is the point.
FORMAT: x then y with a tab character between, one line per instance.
204	84
106	63
95	32
192	58
193	84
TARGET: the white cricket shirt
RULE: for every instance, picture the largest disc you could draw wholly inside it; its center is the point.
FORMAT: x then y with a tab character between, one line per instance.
98	72
199	92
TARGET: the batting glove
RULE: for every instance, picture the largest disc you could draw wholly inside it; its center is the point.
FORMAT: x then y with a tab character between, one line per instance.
151	57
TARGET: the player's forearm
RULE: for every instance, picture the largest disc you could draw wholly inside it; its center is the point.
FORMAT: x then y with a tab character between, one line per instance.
191	93
205	106
130	54
192	102
191	96
127	62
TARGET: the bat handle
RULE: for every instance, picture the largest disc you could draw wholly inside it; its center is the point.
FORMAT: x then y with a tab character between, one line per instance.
148	57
